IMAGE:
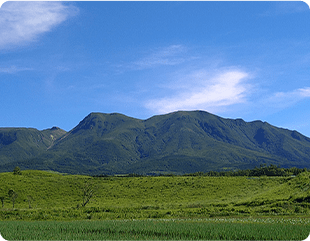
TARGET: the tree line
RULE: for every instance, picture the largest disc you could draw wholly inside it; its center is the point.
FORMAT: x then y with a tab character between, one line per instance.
262	170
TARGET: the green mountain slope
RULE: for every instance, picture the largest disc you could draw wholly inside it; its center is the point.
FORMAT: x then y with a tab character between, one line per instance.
178	142
25	143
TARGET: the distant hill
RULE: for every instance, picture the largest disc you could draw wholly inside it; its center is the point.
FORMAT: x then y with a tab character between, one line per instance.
178	142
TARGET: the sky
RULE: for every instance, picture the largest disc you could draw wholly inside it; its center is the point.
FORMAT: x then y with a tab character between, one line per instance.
60	61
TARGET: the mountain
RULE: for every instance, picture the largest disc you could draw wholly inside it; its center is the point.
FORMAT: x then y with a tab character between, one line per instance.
25	143
178	142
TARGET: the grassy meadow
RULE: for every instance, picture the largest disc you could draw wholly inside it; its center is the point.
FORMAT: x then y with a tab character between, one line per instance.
162	206
52	196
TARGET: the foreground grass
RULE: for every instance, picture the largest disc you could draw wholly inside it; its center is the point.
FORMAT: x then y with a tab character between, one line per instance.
203	229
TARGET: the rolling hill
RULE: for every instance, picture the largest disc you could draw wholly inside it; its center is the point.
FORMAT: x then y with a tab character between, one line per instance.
178	142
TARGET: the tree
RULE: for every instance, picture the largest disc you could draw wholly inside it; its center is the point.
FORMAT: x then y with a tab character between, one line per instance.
13	195
2	201
17	171
30	199
88	192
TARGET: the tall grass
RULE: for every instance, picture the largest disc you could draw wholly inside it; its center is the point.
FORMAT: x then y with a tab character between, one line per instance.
153	230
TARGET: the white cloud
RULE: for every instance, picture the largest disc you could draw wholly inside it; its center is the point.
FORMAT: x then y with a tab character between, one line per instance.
13	69
203	92
22	22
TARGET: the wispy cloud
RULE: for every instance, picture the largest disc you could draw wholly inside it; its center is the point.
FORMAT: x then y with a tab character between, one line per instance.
13	69
224	88
287	7
171	55
304	92
22	22
281	100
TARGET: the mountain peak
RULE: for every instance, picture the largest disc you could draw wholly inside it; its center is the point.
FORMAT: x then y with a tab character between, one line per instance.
103	122
54	128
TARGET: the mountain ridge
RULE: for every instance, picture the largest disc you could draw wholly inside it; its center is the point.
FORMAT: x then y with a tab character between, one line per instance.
177	142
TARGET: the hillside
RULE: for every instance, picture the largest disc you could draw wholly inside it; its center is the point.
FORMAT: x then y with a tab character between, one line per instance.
25	143
178	142
53	196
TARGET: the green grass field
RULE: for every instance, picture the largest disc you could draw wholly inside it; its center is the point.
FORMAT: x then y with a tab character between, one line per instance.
207	229
51	196
173	203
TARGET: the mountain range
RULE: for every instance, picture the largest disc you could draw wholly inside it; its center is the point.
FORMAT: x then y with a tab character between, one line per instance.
179	142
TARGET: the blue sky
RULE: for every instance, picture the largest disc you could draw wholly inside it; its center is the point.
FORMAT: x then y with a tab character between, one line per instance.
59	61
